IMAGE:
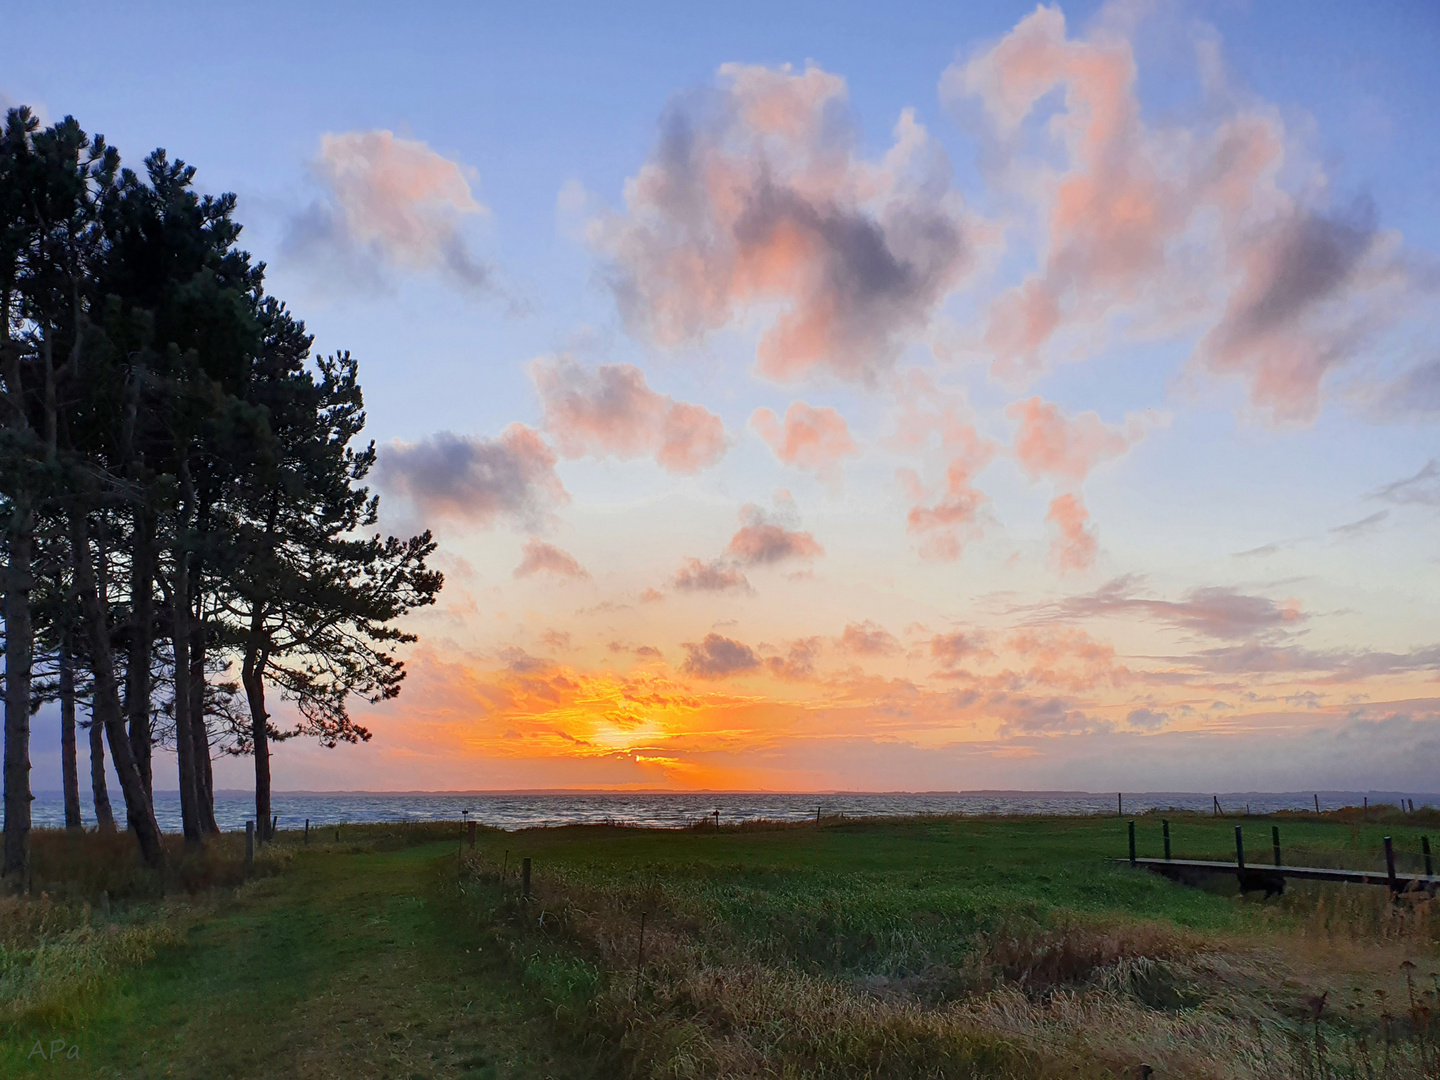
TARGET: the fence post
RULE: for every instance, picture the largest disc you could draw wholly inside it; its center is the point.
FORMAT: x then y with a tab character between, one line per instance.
307	830
1119	804
1216	800
1132	843
1390	866
1275	840
249	847
1166	826
1317	804
274	826
1425	847
1240	857
525	878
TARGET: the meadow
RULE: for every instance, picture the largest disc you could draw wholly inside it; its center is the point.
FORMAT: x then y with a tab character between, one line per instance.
930	947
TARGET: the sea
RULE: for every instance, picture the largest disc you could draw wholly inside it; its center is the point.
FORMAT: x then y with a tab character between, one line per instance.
671	810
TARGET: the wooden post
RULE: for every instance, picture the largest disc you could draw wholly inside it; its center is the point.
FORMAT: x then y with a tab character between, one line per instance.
274	826
717	820
1132	843
817	815
1119	805
525	878
307	830
1425	848
1166	826
1216	800
1365	809
1275	841
249	847
1239	855
1317	804
470	831
1390	866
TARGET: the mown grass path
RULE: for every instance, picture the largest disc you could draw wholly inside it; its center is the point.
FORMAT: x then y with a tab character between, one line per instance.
345	965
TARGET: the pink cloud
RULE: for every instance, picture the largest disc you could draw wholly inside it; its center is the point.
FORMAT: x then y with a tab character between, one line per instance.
763	199
396	198
610	410
543	558
813	438
1075	547
953	519
1176	228
476	479
868	639
1048	444
764	538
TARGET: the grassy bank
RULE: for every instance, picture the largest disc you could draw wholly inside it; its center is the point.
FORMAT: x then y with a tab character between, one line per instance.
926	948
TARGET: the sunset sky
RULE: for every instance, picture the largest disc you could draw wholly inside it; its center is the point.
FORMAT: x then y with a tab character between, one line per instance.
905	396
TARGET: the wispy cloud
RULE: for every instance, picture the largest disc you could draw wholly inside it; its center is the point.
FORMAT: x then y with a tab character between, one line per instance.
1422	489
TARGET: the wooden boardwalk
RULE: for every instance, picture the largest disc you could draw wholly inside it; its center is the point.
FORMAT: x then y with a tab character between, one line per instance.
1272	878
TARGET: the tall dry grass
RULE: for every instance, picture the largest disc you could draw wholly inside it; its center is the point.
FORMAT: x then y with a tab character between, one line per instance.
1066	994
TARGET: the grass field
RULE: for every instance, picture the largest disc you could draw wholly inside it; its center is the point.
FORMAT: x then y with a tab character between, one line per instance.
904	949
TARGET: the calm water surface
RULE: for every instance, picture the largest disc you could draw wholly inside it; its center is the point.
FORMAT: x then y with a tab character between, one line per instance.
519	810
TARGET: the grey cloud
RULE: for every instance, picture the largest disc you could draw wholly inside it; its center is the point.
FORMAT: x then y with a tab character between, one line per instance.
1146	719
1311	257
717	656
474	478
1214	611
1330	665
714	576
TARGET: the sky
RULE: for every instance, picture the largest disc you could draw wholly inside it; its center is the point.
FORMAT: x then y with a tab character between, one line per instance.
804	396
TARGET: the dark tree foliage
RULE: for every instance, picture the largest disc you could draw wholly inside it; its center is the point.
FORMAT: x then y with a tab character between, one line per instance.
181	491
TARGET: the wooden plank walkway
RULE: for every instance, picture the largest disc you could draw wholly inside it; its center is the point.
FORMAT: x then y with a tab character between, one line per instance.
1272	878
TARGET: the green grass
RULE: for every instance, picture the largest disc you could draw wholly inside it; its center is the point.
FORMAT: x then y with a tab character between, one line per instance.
904	949
345	965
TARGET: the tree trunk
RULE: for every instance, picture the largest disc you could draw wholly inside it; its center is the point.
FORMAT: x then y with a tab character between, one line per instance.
180	642
107	709
259	732
142	644
69	769
204	777
18	650
99	789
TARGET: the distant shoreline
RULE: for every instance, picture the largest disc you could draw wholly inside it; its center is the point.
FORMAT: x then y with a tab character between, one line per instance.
829	792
